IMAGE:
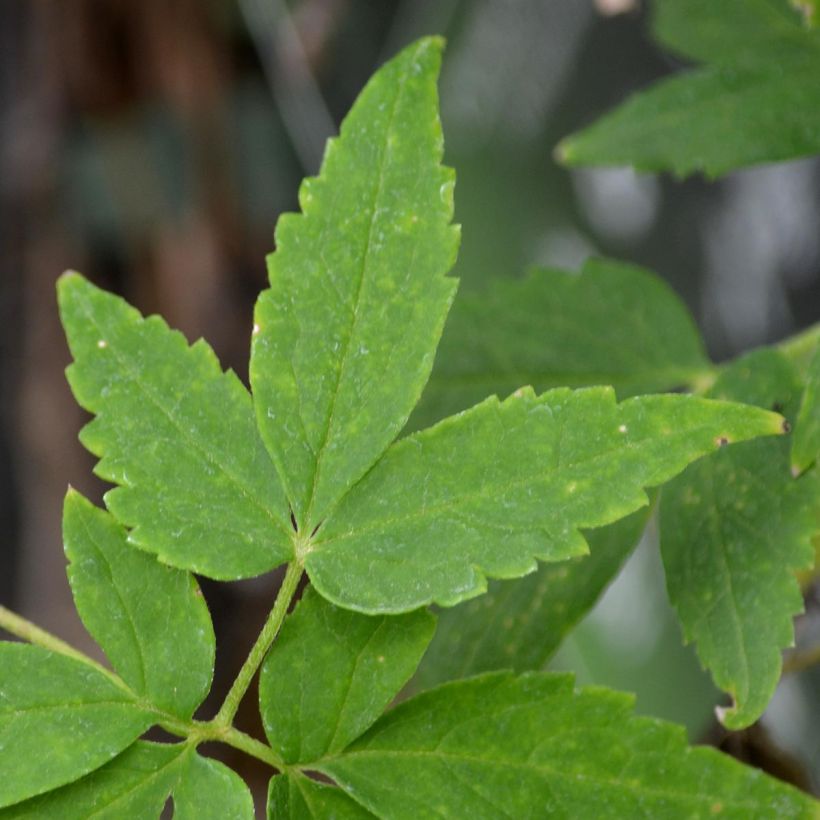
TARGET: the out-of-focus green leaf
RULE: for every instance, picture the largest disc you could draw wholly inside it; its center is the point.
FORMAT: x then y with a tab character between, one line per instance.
345	337
734	528
59	720
488	491
754	100
612	323
150	620
295	797
806	440
518	624
179	437
364	661
530	747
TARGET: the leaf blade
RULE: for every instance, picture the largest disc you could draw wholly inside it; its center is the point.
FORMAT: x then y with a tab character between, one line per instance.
488	491
209	790
734	528
59	719
168	417
518	624
296	797
127	600
365	662
358	290
531	747
806	440
610	324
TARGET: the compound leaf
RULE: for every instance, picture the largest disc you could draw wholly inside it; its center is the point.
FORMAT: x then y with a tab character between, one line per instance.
488	491
150	620
296	797
59	719
806	439
345	336
519	623
734	528
365	661
209	790
530	747
754	101
179	437
611	323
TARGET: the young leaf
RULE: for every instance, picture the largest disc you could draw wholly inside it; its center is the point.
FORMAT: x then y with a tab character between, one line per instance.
734	528
486	492
209	790
611	323
753	102
365	661
296	797
519	624
345	337
59	719
499	746
136	784
127	601
806	440
179	437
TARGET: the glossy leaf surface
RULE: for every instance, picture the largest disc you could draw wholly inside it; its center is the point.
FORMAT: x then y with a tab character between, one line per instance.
734	528
486	492
177	435
364	662
150	620
346	335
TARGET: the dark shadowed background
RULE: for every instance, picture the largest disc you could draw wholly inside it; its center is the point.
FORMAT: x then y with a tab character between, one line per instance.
152	146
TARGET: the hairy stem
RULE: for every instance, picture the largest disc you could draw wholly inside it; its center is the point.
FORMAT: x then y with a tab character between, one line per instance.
257	654
16	625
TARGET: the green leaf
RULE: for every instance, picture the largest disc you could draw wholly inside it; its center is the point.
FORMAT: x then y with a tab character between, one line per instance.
486	492
611	323
530	747
365	661
734	528
59	719
127	601
136	784
519	624
806	440
296	797
754	101
179	437
345	337
208	790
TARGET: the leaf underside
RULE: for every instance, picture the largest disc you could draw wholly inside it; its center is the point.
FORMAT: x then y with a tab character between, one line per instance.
177	435
486	492
611	324
345	336
753	101
734	528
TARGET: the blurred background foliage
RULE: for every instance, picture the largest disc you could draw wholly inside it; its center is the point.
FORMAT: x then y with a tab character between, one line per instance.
152	146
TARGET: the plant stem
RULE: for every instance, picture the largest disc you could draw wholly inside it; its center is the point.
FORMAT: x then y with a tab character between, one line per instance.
257	654
15	624
253	747
798	661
